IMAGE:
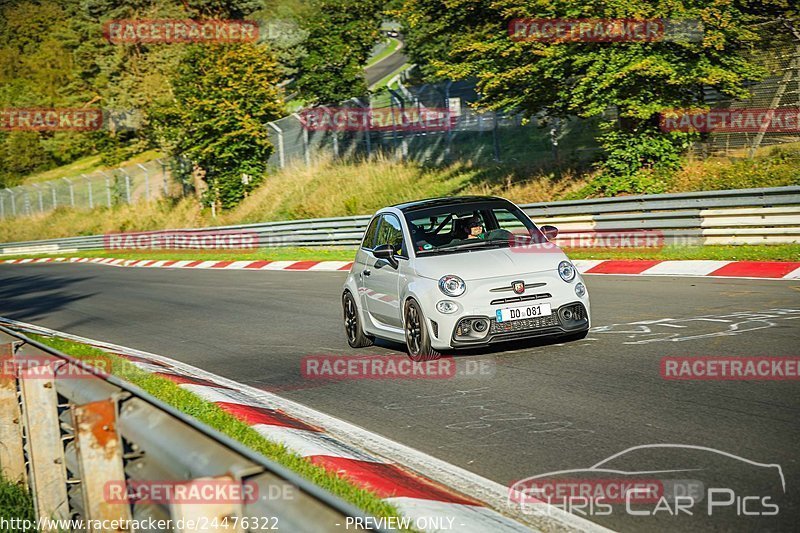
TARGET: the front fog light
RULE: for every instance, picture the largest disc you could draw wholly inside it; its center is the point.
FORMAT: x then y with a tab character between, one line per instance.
446	307
566	271
580	290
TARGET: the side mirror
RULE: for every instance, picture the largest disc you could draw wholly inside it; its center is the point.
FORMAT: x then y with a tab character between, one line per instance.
550	232
385	251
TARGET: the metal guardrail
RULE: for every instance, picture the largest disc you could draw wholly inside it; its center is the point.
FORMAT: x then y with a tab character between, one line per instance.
743	216
72	433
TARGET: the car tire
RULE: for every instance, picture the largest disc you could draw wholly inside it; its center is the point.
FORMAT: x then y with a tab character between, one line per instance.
356	337
418	341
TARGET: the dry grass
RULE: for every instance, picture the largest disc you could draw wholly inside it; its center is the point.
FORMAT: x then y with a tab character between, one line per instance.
328	189
325	189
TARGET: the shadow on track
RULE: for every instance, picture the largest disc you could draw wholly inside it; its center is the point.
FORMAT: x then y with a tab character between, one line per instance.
31	297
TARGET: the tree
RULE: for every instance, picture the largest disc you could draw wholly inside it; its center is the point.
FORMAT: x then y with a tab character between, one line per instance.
224	96
341	34
639	80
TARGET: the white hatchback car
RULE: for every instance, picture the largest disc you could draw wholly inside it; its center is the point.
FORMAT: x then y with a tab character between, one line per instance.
460	272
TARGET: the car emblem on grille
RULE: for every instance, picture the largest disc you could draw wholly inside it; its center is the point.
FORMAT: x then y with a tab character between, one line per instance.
518	286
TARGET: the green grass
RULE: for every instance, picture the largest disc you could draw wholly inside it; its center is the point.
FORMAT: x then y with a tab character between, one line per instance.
213	416
85	165
747	252
16	502
390	48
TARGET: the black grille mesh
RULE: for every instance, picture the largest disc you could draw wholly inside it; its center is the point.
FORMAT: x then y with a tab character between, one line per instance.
525	323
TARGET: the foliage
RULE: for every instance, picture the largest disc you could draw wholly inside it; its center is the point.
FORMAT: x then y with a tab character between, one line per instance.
639	80
224	96
341	34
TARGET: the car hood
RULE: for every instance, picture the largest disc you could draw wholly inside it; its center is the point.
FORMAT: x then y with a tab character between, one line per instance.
497	262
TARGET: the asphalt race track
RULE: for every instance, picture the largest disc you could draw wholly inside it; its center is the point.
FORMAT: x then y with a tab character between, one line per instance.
534	408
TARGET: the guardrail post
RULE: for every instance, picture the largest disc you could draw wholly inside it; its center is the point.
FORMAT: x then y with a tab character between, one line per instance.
45	452
12	459
99	452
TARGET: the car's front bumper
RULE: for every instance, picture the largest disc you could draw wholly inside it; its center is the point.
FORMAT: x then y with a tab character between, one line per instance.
553	325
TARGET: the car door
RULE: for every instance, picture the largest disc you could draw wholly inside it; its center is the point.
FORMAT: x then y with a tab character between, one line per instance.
382	279
364	259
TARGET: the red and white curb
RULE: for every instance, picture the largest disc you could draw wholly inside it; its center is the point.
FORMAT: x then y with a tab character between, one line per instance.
434	494
717	269
721	269
325	266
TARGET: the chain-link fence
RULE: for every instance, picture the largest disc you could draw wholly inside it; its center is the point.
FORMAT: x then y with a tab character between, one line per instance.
124	185
504	136
397	124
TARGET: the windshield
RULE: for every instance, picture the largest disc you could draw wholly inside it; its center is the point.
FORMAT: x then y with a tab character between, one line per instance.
468	227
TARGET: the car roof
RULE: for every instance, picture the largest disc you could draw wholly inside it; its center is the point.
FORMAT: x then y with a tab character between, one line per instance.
444	201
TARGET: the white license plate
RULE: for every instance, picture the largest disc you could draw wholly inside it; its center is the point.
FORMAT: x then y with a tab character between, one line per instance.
526	311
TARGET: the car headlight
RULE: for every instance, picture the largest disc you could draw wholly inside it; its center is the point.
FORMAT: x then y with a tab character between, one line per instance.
580	290
566	271
452	285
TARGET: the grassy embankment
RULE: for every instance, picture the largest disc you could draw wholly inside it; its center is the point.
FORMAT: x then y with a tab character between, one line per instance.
328	190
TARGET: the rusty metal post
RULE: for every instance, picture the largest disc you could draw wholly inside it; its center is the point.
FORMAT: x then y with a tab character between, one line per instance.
48	476
12	459
99	452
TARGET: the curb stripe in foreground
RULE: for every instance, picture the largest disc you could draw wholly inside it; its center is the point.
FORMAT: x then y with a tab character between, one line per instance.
415	495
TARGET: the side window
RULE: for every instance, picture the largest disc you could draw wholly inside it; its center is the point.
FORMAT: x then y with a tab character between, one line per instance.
508	221
369	235
391	232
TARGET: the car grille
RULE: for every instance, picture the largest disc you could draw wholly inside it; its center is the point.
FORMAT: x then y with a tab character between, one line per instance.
523	324
515	299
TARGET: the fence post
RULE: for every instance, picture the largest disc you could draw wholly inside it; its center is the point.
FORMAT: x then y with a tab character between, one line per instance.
146	182
2	206
89	185
495	138
164	176
127	185
45	452
39	193
306	154
71	192
281	155
54	194
12	458
99	451
108	188
13	202
26	200
401	103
